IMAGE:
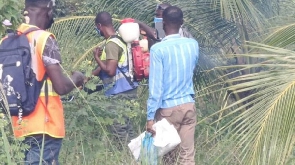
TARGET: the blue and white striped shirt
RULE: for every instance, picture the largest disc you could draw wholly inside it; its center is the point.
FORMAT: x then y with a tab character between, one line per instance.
172	62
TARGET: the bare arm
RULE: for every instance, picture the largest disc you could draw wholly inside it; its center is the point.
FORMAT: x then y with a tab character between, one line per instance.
62	84
109	67
52	59
150	32
113	51
96	71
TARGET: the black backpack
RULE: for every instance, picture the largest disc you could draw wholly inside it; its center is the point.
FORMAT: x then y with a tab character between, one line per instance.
19	83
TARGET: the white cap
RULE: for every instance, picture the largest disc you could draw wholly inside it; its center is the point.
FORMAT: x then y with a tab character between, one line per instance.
6	22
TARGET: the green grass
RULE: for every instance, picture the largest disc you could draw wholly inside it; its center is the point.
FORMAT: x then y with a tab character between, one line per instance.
88	141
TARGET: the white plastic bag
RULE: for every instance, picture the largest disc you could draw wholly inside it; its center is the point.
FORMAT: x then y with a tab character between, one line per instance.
135	145
149	152
166	138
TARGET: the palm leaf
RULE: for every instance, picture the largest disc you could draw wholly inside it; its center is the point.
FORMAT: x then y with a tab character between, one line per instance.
80	31
248	12
262	130
282	37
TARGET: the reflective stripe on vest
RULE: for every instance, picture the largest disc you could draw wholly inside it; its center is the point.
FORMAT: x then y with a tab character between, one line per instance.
118	83
51	91
123	60
109	80
46	118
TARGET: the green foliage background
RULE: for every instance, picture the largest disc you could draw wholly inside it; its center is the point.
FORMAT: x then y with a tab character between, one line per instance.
9	10
244	81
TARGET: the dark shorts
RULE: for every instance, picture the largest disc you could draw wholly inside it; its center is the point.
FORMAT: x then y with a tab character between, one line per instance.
50	152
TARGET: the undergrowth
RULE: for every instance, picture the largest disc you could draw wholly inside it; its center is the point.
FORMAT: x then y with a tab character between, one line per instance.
87	138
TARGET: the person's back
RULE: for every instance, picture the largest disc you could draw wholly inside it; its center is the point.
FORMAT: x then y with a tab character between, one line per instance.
171	86
179	60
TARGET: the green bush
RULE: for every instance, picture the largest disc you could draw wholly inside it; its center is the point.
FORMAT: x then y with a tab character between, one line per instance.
10	9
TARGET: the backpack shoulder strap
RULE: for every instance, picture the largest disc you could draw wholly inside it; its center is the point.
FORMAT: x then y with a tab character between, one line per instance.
21	33
120	69
45	75
30	30
120	38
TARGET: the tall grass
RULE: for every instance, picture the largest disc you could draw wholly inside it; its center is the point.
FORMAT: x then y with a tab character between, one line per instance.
87	138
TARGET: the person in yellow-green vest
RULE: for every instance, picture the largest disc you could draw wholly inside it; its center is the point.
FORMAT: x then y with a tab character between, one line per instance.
113	70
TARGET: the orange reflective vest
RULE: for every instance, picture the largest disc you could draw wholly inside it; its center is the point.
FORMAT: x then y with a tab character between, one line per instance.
46	118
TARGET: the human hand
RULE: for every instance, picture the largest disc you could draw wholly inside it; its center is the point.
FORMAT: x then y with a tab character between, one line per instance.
149	127
85	81
153	35
78	78
97	52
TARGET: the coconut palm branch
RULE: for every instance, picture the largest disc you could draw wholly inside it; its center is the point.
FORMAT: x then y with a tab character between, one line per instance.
217	35
258	127
262	130
282	37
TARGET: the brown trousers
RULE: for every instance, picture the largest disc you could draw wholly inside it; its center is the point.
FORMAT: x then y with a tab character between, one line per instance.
183	117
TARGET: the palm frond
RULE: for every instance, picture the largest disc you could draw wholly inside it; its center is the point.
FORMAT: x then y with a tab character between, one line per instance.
246	12
80	31
282	37
77	38
261	131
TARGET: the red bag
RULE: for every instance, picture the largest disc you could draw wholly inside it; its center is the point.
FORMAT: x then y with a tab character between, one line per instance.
141	61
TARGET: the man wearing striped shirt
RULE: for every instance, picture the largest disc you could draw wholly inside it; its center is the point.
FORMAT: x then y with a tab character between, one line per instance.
170	85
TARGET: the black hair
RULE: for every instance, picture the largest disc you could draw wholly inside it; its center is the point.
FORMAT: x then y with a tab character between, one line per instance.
38	3
173	15
104	18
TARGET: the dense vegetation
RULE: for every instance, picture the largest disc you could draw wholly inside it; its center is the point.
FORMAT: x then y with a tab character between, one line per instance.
244	81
